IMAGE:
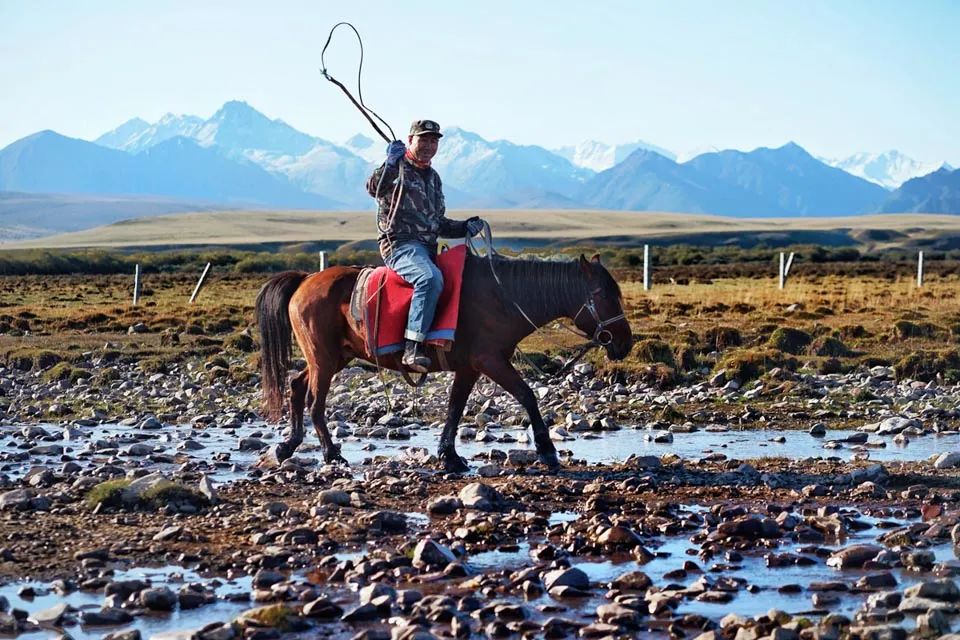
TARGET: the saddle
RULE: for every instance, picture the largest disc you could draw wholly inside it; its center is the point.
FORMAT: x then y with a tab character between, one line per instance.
380	303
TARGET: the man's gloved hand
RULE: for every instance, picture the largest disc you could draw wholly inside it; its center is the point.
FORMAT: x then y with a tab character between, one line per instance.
474	226
395	151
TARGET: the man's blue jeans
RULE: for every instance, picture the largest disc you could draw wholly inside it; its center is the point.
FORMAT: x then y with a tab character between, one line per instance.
412	261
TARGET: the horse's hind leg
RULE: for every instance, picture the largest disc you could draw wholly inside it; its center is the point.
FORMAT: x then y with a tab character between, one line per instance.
320	379
298	402
284	449
463	382
503	373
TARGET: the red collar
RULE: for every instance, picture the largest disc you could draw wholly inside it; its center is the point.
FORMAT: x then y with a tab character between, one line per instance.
412	159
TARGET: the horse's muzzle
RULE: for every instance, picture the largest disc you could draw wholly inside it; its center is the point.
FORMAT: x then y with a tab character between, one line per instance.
619	350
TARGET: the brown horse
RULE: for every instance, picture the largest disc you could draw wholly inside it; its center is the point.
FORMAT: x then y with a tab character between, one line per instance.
494	317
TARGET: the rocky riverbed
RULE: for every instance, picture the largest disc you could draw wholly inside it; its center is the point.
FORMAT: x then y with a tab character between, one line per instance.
132	507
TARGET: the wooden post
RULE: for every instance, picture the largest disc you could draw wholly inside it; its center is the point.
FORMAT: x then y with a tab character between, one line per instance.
323	260
203	276
785	264
136	285
646	267
920	269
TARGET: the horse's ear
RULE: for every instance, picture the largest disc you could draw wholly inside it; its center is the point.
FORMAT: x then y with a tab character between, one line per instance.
596	258
584	264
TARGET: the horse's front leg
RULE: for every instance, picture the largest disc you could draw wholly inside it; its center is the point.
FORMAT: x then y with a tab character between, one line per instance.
502	372
463	382
319	386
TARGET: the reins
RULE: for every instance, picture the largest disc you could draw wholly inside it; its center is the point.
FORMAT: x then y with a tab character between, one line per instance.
601	336
370	114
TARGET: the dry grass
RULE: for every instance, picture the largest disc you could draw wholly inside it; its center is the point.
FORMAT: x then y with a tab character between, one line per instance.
255	227
72	315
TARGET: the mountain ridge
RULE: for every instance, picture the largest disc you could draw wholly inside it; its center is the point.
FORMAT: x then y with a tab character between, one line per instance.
241	157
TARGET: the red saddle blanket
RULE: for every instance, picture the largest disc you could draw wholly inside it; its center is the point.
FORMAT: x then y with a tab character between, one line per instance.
388	302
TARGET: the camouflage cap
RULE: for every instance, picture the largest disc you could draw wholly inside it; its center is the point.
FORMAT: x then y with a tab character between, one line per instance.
420	127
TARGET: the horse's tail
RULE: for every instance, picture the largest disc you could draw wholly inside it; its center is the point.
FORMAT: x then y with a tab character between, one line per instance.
276	345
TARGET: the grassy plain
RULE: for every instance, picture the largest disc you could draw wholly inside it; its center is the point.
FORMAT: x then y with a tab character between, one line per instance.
520	227
686	330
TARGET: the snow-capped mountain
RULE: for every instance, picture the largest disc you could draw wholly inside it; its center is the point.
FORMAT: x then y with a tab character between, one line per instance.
484	168
140	138
237	126
600	156
372	151
889	169
122	136
240	132
239	155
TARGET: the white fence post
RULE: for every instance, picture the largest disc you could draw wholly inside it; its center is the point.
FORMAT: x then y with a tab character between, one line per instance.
136	285
203	276
323	260
785	264
920	269
646	267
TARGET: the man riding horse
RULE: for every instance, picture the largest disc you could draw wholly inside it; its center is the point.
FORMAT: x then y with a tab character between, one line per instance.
410	218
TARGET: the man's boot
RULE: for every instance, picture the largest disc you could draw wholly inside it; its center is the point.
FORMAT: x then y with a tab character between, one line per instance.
415	357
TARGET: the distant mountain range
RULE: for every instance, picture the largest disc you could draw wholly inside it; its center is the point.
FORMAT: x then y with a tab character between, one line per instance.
889	169
240	157
600	156
938	191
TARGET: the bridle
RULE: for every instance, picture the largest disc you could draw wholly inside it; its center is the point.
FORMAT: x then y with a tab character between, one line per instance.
601	335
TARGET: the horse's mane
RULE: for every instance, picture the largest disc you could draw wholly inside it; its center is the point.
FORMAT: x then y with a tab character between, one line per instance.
542	287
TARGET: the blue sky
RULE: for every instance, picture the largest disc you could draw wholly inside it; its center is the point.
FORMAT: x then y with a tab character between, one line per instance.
836	77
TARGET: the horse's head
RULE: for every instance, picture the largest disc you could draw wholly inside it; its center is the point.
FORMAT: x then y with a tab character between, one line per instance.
601	315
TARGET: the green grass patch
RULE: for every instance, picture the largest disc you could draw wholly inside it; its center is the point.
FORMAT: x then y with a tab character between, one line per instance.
789	340
166	492
109	493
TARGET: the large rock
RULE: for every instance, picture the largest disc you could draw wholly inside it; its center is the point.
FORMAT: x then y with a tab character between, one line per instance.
133	492
17	500
749	527
896	424
106	617
52	617
945	590
854	556
632	581
208	489
619	536
158	599
335	497
926	605
947	460
874	473
443	505
432	555
521	457
934	624
619	615
571	577
481	497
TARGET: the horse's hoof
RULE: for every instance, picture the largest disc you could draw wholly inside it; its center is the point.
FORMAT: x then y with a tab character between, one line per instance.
331	455
273	457
454	464
550	460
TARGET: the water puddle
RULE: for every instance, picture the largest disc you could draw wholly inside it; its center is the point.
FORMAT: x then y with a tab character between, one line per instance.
232	599
216	451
